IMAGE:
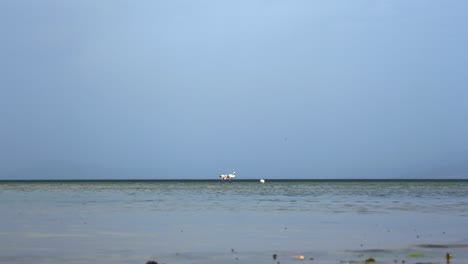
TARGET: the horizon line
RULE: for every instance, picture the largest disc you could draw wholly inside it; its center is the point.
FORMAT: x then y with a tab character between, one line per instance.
240	180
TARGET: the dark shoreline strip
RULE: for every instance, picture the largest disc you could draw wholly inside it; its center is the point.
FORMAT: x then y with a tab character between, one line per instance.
237	180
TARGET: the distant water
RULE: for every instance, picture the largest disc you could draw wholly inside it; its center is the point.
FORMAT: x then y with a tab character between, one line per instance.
239	222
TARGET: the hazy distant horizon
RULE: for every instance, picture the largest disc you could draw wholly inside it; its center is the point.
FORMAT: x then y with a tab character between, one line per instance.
76	173
240	180
270	89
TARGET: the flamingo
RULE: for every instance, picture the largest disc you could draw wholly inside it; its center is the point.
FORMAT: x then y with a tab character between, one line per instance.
229	177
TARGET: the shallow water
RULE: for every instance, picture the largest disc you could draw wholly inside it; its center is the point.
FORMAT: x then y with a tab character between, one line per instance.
241	222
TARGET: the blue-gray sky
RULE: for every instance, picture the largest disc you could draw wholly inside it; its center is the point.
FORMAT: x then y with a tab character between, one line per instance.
270	89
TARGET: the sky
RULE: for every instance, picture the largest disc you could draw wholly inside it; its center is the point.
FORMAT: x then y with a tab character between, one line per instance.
270	89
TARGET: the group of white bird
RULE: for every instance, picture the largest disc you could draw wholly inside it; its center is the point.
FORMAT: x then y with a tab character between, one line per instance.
231	176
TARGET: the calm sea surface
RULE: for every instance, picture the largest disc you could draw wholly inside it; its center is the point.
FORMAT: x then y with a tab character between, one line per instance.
239	222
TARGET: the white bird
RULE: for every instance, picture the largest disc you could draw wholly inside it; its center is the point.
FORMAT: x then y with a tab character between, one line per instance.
229	177
262	181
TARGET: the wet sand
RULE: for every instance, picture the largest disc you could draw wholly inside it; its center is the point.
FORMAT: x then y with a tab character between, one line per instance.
225	237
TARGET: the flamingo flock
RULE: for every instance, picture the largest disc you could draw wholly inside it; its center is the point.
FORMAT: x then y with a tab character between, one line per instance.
229	177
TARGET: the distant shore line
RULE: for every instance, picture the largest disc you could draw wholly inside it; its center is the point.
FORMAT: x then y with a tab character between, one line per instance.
237	180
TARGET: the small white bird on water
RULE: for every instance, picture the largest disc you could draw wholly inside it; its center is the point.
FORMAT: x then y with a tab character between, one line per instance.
262	180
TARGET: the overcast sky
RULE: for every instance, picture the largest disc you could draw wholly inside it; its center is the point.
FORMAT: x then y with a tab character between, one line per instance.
270	89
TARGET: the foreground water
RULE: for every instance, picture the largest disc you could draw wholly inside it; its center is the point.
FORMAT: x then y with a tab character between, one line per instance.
241	222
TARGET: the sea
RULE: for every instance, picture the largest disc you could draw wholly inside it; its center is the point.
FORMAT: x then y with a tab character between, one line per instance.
245	221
